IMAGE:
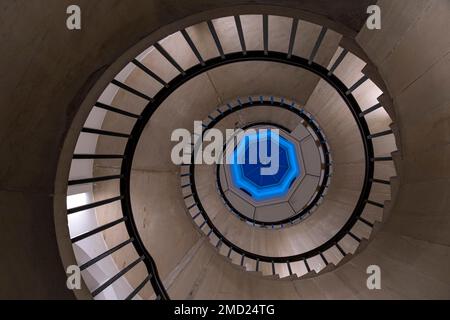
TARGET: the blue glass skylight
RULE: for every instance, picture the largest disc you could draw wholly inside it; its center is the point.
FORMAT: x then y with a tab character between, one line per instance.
250	178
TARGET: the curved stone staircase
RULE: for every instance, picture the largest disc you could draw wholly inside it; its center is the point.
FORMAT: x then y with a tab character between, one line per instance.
156	78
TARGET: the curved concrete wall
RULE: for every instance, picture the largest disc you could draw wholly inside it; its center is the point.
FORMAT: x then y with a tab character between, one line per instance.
38	115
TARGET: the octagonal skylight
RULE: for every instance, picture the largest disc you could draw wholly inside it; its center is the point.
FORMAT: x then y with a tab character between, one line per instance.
261	179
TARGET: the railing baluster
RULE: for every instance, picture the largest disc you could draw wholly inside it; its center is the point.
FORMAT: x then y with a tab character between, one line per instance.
131	90
94	205
105	254
196	215
94	179
116	110
193	47
97	230
191	206
380	134
266	33
351	234
292	37
381	181
84	156
376	204
237	20
358	83
317	45
371	109
306	265
169	58
229	252
382	159
338	61
370	224
105	133
150	72
340	249
116	277
289	268
213	32
323	258
185	174
139	288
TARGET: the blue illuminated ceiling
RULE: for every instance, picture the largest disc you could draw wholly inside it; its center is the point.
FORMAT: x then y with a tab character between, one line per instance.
253	176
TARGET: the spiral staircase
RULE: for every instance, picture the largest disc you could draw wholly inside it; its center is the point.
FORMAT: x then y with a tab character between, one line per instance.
262	49
142	227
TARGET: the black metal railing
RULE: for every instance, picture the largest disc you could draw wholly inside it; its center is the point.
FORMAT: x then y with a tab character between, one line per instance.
141	120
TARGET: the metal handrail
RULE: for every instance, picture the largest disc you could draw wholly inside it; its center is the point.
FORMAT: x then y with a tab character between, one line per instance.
174	84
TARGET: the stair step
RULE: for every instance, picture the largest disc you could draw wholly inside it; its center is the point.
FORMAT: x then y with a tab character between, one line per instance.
345	259
372	72
395	187
308	275
387	210
353	47
376	228
396	132
329	267
363	244
397	158
388	105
